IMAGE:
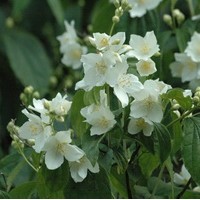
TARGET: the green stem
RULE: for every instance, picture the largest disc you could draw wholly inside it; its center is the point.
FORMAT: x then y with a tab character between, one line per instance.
159	178
128	185
112	28
25	158
191	7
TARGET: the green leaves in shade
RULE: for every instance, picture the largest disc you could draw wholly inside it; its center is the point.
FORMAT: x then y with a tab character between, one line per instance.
162	141
93	187
191	147
100	23
57	10
28	59
177	94
77	120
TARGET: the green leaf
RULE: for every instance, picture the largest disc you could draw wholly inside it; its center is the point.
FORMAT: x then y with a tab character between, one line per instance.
95	186
4	195
28	59
57	10
163	141
91	146
18	7
50	183
100	23
177	94
23	191
77	120
191	147
182	37
148	163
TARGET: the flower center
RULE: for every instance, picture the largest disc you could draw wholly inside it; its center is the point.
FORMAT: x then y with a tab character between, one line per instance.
101	67
60	148
103	122
76	54
145	49
104	42
124	80
35	129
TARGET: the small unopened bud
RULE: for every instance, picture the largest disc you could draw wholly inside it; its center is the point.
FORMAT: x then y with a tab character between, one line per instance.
157	54
119	12
198	89
178	114
53	81
116	3
196	99
23	98
28	90
10	22
31	142
60	118
124	4
180	17
176	106
46	104
197	94
36	95
115	19
167	19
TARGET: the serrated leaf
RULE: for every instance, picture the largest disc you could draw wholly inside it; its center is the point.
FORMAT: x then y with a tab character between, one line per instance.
77	120
28	59
191	147
162	141
177	94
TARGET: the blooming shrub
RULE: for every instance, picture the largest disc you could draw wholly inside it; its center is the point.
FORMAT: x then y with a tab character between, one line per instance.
127	129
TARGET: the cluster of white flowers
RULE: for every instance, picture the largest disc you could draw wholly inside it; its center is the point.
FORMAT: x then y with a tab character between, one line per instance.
187	64
71	49
140	7
109	66
56	145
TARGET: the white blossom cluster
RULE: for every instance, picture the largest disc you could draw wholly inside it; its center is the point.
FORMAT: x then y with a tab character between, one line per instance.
56	145
187	64
109	66
70	47
140	7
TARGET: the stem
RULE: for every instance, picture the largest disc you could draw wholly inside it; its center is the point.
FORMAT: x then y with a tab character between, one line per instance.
112	28
184	189
191	7
25	158
159	178
128	185
181	118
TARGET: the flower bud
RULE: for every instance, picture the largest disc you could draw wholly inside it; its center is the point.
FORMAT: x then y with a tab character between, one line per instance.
116	3
115	19
10	22
28	90
167	19
46	104
177	113
23	98
198	89
53	81
176	106
119	12
196	99
36	95
180	17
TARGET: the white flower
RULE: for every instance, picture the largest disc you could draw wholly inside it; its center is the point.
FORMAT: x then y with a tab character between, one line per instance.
59	105
185	67
193	48
72	55
187	93
58	147
99	116
35	129
183	177
96	68
103	42
146	67
80	167
147	103
140	124
123	83
140	7
68	36
143	47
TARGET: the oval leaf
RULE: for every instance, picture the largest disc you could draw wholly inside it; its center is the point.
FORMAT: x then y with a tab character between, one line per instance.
28	59
191	147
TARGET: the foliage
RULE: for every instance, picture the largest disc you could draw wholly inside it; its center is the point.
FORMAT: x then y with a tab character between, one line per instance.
130	132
